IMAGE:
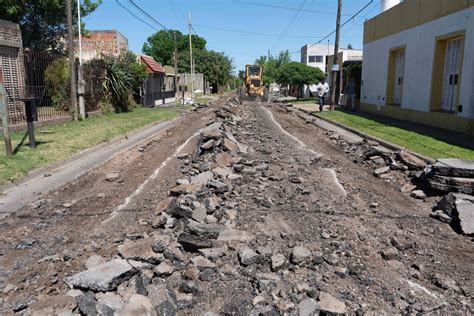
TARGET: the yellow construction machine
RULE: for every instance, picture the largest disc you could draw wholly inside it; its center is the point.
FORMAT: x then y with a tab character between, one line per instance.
253	88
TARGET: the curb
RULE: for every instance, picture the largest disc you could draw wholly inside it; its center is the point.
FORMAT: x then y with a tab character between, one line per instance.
384	143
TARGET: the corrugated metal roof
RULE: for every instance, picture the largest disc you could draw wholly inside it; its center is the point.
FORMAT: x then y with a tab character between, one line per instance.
152	64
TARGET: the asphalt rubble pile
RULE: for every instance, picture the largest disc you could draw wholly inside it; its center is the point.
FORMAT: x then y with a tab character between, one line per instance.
195	243
450	181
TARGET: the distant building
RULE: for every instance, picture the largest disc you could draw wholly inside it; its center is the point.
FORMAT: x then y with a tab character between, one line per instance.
316	55
418	64
321	56
100	43
158	88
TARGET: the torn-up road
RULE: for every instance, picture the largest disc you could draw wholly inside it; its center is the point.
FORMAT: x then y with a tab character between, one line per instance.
235	209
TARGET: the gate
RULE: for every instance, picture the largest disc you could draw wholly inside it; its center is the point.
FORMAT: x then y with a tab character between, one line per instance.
12	70
22	70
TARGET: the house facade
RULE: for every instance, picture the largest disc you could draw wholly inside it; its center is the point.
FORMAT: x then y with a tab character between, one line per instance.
99	43
316	55
158	89
417	64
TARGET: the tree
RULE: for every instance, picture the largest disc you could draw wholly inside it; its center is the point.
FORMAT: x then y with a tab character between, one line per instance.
272	65
349	46
43	23
216	66
299	74
160	46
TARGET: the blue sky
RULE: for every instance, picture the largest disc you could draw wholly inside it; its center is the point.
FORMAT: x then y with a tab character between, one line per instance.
267	18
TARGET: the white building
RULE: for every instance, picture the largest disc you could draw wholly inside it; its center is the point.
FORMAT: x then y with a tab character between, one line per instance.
316	55
319	55
418	63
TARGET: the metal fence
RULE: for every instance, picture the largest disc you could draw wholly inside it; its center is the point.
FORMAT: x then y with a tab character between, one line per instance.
153	92
36	63
20	77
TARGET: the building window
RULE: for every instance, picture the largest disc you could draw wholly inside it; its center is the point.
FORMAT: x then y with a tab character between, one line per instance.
395	76
316	59
446	78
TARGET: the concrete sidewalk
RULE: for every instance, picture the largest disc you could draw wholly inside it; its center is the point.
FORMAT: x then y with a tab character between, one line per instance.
27	190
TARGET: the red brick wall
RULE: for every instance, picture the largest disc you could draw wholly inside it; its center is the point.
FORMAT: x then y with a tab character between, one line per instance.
103	43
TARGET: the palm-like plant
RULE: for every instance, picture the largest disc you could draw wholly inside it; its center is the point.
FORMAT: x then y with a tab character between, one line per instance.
117	85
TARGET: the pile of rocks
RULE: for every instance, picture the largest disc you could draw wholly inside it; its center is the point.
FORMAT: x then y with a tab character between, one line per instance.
450	175
456	209
195	243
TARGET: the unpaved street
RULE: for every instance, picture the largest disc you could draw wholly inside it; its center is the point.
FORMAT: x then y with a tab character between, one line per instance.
234	209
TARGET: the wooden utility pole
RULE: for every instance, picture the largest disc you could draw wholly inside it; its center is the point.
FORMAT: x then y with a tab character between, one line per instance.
72	66
175	62
4	113
191	56
80	77
335	66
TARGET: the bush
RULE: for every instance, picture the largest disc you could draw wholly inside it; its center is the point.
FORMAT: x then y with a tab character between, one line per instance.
57	78
124	76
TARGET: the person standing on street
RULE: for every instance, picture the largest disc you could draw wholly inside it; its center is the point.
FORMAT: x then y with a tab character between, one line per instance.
323	90
351	93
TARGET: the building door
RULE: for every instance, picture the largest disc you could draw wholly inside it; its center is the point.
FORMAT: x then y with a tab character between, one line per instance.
399	70
452	69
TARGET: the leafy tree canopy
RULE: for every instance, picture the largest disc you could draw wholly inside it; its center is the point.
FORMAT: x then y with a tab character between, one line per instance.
216	66
273	65
295	73
43	22
160	45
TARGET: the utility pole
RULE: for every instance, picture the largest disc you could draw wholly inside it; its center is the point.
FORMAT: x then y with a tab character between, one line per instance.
72	67
191	57
80	76
335	65
175	61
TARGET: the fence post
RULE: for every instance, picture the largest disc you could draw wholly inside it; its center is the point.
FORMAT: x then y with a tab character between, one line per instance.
6	129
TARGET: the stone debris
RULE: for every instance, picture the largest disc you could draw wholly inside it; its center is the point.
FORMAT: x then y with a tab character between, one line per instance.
247	256
450	175
112	177
103	277
278	262
202	263
218	235
308	307
53	305
140	250
300	255
458	210
163	269
330	305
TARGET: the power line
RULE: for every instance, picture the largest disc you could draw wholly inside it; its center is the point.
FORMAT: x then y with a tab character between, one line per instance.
289	8
289	24
149	16
350	19
134	15
182	14
256	33
175	13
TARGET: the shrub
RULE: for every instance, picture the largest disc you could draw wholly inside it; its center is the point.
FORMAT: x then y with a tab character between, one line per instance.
124	76
57	78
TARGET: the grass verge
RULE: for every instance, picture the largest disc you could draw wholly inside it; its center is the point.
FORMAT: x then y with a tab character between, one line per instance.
60	141
411	140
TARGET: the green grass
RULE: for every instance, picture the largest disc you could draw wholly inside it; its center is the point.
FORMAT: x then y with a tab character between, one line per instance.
413	141
60	141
